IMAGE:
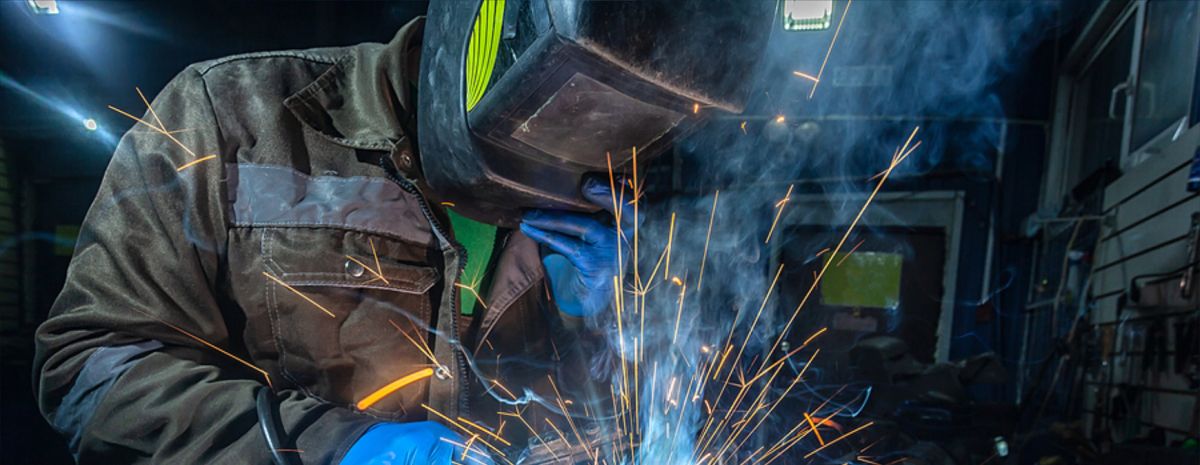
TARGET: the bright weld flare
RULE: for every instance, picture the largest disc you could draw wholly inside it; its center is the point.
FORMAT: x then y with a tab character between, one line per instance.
832	41
195	162
780	204
842	241
301	294
393	386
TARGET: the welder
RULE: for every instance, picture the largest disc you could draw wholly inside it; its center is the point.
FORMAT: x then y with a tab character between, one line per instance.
256	307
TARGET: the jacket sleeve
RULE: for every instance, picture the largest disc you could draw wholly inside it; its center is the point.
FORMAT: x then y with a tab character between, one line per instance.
121	369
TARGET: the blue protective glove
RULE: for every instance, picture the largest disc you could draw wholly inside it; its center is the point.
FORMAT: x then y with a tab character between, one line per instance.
584	261
412	444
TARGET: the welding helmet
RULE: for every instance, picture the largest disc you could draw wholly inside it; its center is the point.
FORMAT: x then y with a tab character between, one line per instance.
519	100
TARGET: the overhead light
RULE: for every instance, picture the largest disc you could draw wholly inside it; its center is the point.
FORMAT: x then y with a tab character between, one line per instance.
43	7
90	124
807	15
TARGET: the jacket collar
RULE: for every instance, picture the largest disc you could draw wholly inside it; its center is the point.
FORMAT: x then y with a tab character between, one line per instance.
367	98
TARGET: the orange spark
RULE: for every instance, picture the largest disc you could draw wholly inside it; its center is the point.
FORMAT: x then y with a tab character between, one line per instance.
695	108
842	241
839	438
194	162
421	347
821	252
806	76
851	252
487	432
743	127
462	428
821	71
301	294
708	236
378	267
393	386
679	312
812	425
471	289
157	129
377	273
814	336
780	119
218	349
778	213
670	241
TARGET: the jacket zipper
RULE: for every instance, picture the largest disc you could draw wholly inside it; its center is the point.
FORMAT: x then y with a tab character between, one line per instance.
459	360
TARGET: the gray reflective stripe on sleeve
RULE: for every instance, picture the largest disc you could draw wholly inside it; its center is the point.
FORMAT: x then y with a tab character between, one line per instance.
99	373
269	195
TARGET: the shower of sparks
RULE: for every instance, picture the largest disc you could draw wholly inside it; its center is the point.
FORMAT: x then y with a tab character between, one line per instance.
466	431
301	294
839	438
393	386
832	41
779	212
806	76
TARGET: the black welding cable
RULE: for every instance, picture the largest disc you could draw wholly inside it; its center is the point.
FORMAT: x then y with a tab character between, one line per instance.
268	421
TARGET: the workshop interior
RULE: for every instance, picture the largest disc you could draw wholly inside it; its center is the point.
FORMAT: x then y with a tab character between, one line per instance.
937	232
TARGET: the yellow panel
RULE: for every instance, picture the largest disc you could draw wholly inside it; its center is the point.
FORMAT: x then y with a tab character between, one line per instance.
482	49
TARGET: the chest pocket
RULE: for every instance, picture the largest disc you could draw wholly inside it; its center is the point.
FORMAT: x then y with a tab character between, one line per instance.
349	312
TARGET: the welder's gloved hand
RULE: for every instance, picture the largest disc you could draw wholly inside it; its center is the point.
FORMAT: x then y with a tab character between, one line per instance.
584	261
423	442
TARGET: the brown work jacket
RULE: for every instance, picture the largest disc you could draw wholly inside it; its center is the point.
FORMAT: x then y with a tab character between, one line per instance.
247	234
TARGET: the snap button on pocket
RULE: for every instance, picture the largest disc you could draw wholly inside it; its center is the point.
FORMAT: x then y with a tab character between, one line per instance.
354	269
442	373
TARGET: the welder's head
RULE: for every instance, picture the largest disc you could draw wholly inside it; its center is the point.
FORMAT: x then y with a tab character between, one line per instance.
520	99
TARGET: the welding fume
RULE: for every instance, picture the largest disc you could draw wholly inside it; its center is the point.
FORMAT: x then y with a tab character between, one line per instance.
533	232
